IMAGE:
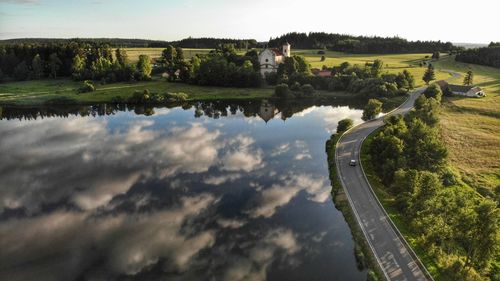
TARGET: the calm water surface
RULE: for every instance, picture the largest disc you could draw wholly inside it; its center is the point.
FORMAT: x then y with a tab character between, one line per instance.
205	192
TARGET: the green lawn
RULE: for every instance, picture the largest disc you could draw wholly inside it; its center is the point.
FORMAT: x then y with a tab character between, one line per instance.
471	128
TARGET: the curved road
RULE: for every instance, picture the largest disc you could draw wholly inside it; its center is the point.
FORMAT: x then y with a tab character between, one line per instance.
396	260
391	253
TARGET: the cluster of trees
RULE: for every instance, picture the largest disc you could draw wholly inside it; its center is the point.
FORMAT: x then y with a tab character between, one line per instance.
368	80
360	44
81	61
489	56
212	43
456	225
221	67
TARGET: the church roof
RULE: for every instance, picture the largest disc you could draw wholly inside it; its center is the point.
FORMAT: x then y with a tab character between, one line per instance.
277	52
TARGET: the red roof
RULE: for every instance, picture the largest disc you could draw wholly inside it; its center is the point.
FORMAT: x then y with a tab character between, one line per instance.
325	73
277	52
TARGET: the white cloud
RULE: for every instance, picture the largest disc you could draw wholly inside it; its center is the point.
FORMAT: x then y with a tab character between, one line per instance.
280	194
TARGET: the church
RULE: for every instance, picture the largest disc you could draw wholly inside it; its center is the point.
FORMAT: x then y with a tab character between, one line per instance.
270	59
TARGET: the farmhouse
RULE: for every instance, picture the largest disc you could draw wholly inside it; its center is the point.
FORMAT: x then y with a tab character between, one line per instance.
466	91
270	59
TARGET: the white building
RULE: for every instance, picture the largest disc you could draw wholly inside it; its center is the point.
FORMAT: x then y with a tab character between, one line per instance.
270	59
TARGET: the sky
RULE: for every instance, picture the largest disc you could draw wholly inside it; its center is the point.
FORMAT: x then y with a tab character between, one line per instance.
457	21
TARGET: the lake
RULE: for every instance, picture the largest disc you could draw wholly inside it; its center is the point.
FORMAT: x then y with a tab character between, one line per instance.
203	191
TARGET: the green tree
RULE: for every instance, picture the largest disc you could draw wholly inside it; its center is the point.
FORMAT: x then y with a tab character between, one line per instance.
54	65
372	109
376	68
480	229
78	67
436	55
121	57
434	91
37	66
179	55
144	67
21	71
291	65
344	125
469	78
429	74
169	55
409	78
423	148
281	90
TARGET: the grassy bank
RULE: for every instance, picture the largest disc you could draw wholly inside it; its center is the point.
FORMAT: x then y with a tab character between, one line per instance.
41	91
363	253
470	128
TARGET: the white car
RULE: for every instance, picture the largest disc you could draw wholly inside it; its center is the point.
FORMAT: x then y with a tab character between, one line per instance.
352	163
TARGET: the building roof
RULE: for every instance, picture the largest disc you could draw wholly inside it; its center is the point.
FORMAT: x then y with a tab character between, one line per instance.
460	88
276	51
325	73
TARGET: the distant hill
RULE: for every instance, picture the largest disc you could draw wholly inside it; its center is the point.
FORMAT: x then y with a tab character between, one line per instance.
470	45
202	43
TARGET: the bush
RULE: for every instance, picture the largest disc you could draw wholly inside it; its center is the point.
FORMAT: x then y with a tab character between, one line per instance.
281	90
371	276
295	87
323	58
307	89
372	109
176	97
271	78
88	86
321	52
344	125
139	97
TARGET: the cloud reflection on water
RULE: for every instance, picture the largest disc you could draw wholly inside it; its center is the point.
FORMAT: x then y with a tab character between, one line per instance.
97	199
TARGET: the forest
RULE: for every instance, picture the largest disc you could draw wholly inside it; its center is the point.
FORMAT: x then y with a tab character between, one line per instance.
196	43
360	44
489	56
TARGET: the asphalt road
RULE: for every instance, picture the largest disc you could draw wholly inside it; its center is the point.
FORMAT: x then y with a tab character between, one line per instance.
390	251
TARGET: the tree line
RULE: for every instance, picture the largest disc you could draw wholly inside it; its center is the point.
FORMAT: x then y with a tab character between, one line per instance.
360	44
200	43
453	223
81	61
368	80
489	56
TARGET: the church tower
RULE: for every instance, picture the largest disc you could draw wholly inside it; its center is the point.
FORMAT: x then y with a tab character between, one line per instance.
286	49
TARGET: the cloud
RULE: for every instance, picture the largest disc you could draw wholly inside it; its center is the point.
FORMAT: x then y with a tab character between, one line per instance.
283	148
45	155
241	156
218	180
127	243
280	194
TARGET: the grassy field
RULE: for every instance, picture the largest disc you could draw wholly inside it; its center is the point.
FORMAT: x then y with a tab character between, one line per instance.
134	53
38	92
393	63
471	128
